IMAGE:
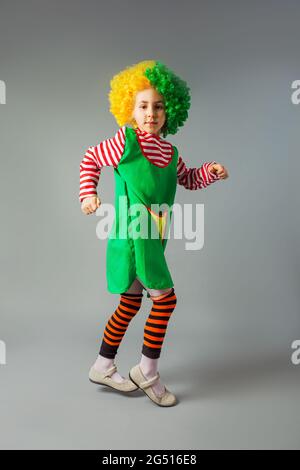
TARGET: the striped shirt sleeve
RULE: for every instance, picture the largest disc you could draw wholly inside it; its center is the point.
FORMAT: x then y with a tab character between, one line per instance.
108	153
195	178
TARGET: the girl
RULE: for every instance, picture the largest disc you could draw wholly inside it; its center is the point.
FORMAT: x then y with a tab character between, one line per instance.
154	101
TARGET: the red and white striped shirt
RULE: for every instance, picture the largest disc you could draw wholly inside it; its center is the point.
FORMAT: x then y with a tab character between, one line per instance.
157	150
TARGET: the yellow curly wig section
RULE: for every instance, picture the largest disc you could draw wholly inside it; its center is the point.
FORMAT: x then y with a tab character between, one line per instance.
124	87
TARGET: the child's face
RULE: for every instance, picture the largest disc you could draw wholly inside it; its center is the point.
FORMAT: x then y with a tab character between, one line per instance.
149	111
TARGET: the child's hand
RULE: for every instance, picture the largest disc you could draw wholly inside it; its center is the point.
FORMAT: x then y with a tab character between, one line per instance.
218	170
90	205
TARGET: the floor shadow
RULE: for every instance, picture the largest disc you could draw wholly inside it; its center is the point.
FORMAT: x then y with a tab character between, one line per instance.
229	377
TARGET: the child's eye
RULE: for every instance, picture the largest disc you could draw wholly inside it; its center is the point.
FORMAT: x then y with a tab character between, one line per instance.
158	106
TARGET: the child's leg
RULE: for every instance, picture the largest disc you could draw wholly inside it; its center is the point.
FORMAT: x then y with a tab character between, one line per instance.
116	327
135	288
154	292
154	333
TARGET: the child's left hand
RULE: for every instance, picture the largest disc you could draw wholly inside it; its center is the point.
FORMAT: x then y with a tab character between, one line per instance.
218	170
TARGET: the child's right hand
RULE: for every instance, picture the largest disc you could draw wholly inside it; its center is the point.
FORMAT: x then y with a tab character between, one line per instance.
90	204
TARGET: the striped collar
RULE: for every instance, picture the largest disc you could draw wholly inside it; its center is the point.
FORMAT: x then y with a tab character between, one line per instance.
157	150
147	135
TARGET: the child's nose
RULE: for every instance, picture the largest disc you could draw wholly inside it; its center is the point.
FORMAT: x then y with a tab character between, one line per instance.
151	112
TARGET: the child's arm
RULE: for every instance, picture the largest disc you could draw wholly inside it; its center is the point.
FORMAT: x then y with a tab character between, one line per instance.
107	153
195	178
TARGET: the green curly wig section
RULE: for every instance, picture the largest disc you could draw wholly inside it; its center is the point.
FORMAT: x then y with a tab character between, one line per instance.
176	95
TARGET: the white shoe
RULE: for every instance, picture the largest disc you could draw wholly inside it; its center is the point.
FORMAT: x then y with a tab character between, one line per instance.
104	378
138	378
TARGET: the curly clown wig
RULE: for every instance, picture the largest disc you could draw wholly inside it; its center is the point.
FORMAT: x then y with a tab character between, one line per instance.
150	74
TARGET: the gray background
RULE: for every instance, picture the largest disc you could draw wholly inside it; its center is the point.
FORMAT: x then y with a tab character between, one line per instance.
227	353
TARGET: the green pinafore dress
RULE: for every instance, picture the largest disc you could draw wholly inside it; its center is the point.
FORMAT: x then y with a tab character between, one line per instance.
144	195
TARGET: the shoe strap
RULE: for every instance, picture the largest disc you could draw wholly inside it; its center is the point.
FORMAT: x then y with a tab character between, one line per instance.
148	383
110	371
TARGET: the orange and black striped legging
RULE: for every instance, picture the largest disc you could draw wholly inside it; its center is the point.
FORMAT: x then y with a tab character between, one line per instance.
155	326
